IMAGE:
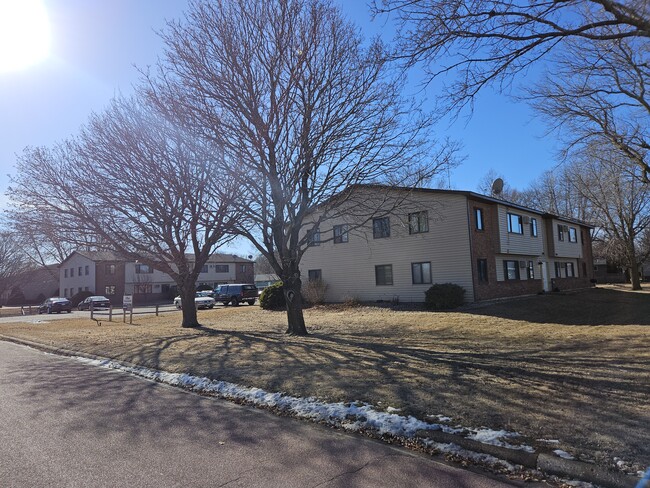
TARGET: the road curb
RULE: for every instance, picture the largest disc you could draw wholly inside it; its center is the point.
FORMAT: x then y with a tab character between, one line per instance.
546	463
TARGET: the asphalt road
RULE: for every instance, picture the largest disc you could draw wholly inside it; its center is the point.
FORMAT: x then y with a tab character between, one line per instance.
64	423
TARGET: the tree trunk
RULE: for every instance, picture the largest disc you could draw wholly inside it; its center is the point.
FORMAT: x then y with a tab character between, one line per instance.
187	294
634	271
293	296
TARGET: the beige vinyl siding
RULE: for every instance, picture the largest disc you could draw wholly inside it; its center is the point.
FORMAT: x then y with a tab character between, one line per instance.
522	244
75	282
523	272
349	268
566	249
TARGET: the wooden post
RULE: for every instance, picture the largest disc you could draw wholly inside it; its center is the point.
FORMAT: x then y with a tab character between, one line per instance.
123	315
157	310
131	316
110	313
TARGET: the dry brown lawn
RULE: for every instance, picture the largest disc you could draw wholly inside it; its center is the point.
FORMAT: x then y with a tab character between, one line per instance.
575	368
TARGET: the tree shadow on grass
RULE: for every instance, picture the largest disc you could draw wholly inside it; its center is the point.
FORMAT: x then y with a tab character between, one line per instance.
596	307
589	401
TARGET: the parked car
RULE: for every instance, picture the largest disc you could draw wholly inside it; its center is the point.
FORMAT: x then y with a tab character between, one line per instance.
236	293
97	301
55	305
200	300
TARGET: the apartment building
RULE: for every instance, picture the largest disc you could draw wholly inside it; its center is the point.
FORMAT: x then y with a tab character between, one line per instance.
105	273
490	247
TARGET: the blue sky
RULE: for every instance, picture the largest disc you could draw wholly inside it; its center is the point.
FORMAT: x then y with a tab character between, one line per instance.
96	43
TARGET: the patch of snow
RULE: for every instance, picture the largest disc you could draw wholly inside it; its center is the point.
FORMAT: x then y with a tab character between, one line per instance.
354	416
578	484
441	418
495	438
548	441
392	409
563	454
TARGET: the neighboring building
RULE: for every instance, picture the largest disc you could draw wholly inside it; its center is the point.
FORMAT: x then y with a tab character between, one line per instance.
490	247
33	286
609	272
105	273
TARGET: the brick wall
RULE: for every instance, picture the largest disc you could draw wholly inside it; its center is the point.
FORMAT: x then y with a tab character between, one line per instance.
103	279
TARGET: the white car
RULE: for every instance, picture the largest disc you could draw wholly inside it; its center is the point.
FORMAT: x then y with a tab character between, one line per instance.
201	301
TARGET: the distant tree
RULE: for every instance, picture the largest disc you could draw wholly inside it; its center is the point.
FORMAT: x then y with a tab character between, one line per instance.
12	260
302	111
262	265
620	200
486	187
555	192
137	185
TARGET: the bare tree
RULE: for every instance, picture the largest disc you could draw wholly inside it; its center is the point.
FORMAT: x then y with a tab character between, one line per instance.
599	92
12	260
137	185
302	109
555	192
621	202
490	41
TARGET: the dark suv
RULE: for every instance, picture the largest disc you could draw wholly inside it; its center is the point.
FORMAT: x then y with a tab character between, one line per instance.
236	294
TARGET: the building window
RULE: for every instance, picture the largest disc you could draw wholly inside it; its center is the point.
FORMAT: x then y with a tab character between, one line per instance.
87	270
531	270
65	292
381	227
533	227
558	270
384	274
204	268
481	266
109	290
570	270
79	270
478	214
418	222
560	232
511	270
65	273
86	289
221	268
110	269
313	238
142	288
243	268
515	225
340	234
314	275
573	235
143	269
421	273
71	272
79	290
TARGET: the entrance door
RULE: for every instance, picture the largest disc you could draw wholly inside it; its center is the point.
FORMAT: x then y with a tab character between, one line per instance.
545	280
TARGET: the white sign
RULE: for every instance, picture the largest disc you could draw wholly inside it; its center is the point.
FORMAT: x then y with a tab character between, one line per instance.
127	302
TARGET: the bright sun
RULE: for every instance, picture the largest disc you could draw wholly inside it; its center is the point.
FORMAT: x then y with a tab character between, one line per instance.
24	34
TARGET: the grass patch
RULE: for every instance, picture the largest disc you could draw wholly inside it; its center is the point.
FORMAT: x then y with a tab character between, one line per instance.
573	368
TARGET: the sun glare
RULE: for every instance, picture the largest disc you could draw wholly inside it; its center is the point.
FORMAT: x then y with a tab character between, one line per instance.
24	34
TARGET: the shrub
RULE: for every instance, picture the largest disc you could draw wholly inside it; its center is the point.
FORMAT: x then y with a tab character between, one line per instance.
444	296
272	297
314	292
80	297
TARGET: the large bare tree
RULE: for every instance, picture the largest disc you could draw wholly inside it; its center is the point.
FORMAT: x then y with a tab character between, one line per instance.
135	184
619	200
303	109
490	41
598	92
